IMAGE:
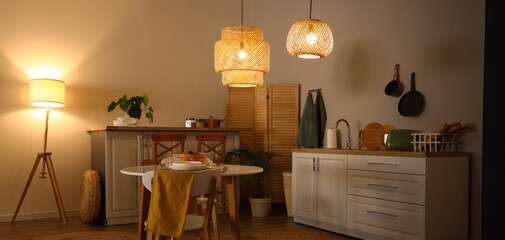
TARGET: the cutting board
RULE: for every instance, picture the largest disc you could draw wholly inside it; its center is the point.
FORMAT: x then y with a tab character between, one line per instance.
368	135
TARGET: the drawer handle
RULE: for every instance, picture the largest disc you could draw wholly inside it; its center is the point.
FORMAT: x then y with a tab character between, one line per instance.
313	164
382	213
384	164
381	185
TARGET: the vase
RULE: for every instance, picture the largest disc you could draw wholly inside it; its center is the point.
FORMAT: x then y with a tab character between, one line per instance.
126	121
260	206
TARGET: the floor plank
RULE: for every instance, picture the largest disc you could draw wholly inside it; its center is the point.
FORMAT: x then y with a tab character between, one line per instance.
30	229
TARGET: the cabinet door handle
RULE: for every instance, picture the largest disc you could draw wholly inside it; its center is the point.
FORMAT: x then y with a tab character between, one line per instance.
318	160
382	213
383	164
381	185
313	164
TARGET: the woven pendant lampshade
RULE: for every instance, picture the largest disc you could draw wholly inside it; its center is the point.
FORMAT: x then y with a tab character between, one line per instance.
310	39
241	56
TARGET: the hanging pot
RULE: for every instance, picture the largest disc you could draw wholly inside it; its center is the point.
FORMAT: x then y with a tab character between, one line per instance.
412	103
395	87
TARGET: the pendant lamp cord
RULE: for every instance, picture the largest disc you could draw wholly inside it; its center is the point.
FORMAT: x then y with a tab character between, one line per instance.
243	12
310	12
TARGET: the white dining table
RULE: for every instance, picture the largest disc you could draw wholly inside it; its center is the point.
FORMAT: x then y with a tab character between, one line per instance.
229	173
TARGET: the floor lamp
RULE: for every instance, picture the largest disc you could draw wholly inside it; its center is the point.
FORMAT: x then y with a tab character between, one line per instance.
46	93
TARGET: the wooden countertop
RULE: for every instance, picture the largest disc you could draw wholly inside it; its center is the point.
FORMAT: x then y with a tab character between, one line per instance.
167	129
382	153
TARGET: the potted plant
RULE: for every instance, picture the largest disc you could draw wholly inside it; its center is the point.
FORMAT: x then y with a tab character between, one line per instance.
133	108
256	183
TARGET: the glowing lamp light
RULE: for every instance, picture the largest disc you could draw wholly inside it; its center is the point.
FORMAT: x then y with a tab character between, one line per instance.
311	39
44	71
242	55
47	93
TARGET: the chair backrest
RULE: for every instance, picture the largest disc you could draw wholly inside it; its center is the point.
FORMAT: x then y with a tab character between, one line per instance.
201	181
161	147
213	143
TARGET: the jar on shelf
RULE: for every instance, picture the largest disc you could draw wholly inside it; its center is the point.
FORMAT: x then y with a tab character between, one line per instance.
200	123
190	122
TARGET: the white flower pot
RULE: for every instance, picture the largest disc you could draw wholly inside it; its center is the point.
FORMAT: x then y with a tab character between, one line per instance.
125	121
260	206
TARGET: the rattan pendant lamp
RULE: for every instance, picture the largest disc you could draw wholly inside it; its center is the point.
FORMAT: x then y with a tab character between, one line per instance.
241	56
310	38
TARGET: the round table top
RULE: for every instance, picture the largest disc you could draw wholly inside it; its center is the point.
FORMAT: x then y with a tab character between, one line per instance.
226	170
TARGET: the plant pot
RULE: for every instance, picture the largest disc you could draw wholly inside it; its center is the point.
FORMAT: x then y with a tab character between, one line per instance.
260	206
126	121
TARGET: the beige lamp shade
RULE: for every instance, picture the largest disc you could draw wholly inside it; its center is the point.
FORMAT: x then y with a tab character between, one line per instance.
241	56
310	39
47	93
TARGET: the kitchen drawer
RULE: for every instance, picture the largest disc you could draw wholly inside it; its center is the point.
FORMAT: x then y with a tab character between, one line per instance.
389	186
411	165
386	218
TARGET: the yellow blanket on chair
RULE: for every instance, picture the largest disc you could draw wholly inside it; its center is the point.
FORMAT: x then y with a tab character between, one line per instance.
169	202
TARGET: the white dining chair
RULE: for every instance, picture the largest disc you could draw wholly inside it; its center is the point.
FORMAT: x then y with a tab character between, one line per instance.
204	183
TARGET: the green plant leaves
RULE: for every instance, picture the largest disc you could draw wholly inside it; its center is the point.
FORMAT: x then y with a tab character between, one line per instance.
134	111
132	106
149	115
145	100
111	106
123	103
259	157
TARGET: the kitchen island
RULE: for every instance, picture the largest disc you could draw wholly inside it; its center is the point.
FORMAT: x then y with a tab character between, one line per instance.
117	147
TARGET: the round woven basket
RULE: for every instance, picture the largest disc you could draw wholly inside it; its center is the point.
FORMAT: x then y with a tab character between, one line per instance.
91	196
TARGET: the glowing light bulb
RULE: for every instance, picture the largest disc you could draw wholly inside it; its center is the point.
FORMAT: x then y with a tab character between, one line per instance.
312	38
242	55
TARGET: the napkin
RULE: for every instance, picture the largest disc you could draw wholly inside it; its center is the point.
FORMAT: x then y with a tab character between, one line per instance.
169	202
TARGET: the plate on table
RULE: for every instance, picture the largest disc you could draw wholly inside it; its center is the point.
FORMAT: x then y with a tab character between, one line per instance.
188	166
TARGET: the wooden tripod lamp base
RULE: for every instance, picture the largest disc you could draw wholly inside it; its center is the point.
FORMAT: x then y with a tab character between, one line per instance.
45	93
46	162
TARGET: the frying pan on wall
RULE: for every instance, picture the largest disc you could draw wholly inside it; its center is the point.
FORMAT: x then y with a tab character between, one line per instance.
412	103
395	87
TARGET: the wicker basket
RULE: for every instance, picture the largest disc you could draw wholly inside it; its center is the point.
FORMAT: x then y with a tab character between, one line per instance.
434	142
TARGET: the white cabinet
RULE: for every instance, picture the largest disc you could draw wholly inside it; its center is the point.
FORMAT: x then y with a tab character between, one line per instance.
319	188
401	196
112	151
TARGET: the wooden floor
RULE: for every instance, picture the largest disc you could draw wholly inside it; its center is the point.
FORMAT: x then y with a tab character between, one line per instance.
24	230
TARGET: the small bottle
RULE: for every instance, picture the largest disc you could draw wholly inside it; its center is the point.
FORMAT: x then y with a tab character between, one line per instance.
190	122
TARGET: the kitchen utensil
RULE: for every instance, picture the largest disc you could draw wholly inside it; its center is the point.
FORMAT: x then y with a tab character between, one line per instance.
399	140
395	87
380	135
368	135
412	102
214	123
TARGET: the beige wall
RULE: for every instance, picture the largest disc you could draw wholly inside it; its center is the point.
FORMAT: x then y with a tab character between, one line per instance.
164	48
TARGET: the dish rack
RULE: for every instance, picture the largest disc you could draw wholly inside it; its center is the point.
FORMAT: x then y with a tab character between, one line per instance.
434	142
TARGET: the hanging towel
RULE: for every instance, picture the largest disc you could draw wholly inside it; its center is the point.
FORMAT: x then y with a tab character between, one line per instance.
302	139
169	202
318	122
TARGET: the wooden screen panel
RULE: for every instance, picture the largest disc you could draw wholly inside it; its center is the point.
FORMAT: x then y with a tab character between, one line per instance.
272	113
240	113
283	122
261	118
